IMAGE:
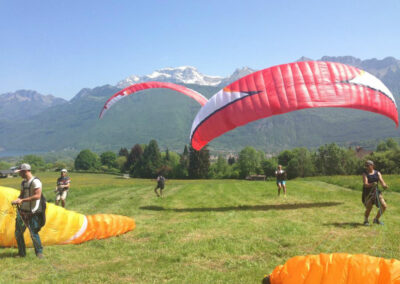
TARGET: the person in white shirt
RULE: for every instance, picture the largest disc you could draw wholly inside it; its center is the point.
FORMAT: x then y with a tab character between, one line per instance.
31	210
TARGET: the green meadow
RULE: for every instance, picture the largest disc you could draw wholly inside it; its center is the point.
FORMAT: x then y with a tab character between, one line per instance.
206	231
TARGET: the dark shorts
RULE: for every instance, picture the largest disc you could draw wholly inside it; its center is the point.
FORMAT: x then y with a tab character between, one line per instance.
160	186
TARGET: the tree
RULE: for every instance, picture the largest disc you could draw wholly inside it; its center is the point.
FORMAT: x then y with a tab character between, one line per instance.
199	163
123	152
167	155
4	165
108	159
120	162
36	162
133	160
182	170
249	161
284	157
150	163
333	160
220	168
301	165
87	160
382	147
231	160
269	167
392	144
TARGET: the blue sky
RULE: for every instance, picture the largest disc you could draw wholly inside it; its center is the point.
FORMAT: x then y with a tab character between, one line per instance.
60	47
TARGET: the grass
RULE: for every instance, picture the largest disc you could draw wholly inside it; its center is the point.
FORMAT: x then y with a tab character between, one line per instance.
208	231
355	182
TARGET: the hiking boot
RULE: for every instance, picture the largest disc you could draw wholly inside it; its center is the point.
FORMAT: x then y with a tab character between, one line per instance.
366	223
376	221
40	255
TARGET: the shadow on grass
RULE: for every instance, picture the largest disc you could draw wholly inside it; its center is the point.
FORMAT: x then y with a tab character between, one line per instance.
290	206
7	254
345	225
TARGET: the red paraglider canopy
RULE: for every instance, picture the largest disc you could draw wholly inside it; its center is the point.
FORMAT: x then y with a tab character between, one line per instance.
289	87
151	85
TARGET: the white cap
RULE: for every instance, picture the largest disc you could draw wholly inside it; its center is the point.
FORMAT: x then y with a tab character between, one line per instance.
24	167
64	170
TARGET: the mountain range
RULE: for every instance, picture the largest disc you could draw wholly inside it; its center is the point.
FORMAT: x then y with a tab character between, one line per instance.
23	104
185	75
33	122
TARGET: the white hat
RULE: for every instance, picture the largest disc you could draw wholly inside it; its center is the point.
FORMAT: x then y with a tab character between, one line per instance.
24	167
64	170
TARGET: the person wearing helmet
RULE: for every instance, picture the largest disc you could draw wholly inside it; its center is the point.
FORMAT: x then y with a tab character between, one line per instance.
63	184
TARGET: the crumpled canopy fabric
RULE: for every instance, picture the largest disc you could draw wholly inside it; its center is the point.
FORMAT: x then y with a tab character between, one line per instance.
62	226
337	268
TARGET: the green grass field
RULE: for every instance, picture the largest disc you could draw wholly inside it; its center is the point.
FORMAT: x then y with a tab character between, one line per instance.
208	231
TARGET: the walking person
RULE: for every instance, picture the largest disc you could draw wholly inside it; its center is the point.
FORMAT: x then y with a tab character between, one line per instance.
160	185
31	211
281	180
371	194
63	184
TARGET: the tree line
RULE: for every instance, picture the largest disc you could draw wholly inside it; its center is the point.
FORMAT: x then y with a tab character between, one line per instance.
147	161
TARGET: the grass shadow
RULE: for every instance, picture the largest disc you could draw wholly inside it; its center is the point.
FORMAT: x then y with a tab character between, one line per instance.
290	206
348	225
8	254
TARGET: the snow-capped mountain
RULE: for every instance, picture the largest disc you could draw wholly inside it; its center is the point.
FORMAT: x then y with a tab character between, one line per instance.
185	75
179	75
237	74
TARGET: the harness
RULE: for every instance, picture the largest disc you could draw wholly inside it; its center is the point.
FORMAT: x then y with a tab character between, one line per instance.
161	181
372	194
33	206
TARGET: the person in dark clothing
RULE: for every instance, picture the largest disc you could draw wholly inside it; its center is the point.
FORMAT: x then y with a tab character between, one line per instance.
371	193
31	210
160	185
281	180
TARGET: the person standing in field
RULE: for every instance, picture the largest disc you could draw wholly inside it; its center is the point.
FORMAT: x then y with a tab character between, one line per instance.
371	194
31	211
281	180
160	185
63	184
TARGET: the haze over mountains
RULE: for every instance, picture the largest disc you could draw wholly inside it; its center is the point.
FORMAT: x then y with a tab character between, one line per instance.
33	122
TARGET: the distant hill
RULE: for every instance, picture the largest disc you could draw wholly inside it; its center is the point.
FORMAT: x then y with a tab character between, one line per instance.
23	104
167	116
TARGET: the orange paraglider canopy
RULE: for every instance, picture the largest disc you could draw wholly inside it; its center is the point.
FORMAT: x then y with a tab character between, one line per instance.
336	268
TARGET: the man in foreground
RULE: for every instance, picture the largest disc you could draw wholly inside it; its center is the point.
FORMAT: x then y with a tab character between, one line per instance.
31	210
